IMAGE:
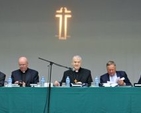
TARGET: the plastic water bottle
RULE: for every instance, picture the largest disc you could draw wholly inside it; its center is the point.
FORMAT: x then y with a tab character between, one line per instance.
9	82
96	81
42	81
67	81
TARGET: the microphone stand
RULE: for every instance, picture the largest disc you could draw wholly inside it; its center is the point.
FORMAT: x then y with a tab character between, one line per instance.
50	72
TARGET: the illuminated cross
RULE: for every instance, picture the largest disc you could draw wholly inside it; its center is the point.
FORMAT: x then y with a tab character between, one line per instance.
63	14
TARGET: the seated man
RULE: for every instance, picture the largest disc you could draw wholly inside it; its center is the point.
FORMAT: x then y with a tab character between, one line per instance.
2	79
139	82
113	76
24	76
77	74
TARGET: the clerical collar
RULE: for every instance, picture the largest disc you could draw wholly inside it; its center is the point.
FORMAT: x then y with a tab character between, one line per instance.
24	71
76	70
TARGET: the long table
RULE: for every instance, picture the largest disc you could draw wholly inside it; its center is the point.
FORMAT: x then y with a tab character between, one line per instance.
71	100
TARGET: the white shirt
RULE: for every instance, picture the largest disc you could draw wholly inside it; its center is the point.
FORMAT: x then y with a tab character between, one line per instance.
114	78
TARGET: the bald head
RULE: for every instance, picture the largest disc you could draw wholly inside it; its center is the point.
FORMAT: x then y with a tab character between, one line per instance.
23	64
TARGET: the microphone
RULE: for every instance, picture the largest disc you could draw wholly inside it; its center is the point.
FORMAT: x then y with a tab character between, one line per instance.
70	68
55	63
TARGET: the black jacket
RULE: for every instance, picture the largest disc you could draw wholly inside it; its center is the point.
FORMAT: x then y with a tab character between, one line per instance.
2	79
83	75
29	77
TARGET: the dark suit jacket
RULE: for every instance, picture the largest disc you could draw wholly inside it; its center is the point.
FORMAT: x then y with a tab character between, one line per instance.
139	82
83	75
104	78
2	79
29	77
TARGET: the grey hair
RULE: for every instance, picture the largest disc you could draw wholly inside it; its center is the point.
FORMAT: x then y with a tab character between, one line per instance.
77	56
110	63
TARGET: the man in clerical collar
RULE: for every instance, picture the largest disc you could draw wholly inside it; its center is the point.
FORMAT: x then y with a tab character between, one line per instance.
24	76
77	74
